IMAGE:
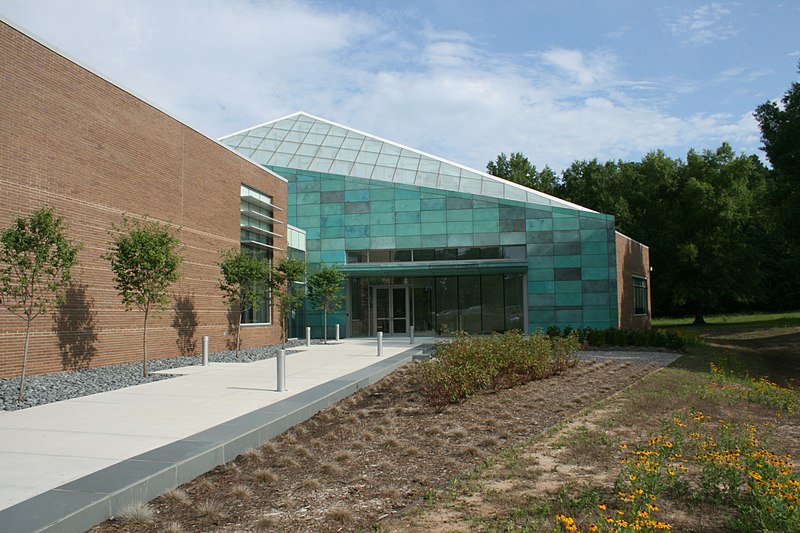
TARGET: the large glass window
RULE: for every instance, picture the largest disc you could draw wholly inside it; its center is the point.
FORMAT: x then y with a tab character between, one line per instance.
639	296
256	226
474	304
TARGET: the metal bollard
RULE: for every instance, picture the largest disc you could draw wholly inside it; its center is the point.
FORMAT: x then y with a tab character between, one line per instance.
337	332
308	336
205	350
411	334
281	370
380	343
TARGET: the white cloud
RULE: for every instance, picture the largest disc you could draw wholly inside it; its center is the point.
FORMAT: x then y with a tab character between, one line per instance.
225	66
705	25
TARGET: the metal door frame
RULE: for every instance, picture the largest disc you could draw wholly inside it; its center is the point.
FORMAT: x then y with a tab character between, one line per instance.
374	308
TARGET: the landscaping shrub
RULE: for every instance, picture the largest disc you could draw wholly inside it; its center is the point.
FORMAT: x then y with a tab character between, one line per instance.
466	365
623	337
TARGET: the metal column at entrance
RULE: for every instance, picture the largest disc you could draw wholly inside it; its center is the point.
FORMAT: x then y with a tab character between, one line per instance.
390	309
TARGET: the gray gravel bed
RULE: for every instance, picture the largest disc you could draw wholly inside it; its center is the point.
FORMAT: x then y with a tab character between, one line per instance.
48	388
629	356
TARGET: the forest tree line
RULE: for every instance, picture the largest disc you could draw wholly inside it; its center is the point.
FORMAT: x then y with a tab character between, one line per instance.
723	228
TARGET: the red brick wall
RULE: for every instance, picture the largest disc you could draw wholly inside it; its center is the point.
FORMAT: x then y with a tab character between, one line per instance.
92	151
633	259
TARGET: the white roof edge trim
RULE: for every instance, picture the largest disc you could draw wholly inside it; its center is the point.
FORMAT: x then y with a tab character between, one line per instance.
103	77
632	240
441	159
295	228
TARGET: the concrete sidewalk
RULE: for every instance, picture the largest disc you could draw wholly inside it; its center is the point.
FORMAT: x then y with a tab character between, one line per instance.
68	465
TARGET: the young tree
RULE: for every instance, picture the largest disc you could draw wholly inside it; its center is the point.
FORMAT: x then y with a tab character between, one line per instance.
324	292
245	284
287	293
145	258
36	257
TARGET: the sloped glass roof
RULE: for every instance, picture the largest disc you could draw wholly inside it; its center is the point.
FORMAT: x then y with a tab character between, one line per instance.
305	142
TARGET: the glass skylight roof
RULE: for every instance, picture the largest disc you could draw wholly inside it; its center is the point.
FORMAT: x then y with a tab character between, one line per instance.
305	142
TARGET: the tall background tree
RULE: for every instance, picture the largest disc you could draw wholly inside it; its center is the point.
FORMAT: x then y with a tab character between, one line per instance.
287	290
244	284
518	169
780	133
36	258
325	292
145	260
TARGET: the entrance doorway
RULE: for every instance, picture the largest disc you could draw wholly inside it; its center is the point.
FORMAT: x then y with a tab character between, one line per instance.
390	309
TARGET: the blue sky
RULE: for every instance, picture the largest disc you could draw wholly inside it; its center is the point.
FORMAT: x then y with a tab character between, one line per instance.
465	80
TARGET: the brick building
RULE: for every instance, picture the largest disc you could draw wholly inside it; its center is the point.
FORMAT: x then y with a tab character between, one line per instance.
74	141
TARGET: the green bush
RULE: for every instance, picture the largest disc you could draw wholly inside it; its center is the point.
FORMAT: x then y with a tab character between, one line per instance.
466	365
624	337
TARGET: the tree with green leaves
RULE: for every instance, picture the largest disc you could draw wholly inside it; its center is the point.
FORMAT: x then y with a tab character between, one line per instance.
780	133
287	290
145	260
244	284
325	292
36	259
518	169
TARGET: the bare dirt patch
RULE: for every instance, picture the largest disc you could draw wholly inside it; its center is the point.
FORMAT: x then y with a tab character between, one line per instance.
380	452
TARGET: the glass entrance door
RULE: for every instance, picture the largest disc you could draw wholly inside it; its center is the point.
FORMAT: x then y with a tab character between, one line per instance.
390	310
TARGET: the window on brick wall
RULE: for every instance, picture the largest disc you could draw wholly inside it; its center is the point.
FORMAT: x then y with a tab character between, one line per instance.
639	296
256	226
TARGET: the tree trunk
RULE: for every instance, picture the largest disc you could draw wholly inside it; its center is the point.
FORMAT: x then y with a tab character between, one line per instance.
698	316
325	322
25	357
144	343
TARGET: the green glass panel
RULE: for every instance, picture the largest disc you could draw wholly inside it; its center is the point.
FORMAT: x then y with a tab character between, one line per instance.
539	224
459	215
589	261
486	239
589	248
432	204
331	185
407	229
486	214
433	216
568	299
407	217
407	205
382	193
595	273
594	235
381	230
408	241
541	286
381	206
540	261
434	240
357	243
381	218
570	223
357	219
329	232
356	231
382	243
486	226
459	227
567	261
540	274
407	194
464	239
332	256
568	286
331	209
512	238
329	220
566	236
332	244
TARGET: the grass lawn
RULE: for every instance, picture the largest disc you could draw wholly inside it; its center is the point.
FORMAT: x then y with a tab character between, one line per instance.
755	320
